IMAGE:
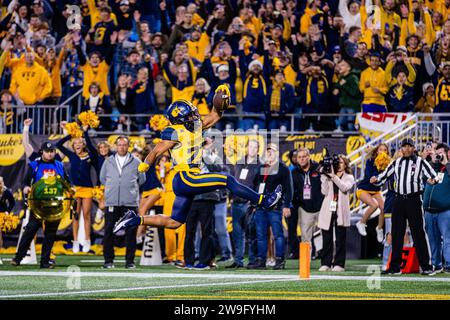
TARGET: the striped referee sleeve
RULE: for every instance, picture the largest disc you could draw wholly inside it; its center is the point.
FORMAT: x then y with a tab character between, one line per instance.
427	170
382	177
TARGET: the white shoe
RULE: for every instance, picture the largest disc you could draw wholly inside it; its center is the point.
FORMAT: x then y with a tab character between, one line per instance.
270	263
76	247
338	130
380	234
86	246
338	269
361	228
324	269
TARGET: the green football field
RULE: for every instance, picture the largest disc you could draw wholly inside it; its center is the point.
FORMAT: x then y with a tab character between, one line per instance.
81	277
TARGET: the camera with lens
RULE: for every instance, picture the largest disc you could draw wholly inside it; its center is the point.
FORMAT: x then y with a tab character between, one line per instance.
330	161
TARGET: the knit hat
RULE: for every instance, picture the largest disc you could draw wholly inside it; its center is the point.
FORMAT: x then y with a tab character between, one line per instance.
425	86
254	62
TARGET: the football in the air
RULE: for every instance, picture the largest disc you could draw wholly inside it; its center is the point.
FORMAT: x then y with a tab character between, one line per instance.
221	99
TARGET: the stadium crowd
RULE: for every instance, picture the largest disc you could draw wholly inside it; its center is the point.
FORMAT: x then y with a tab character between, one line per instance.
278	57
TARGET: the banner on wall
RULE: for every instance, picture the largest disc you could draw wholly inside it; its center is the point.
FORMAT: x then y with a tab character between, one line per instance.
13	164
371	125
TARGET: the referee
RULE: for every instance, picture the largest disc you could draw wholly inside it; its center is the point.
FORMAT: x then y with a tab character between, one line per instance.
408	172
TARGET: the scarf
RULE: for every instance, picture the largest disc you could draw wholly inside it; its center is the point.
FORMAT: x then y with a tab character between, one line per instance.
398	92
275	98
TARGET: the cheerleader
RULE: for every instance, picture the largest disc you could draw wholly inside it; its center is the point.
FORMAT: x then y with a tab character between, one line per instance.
82	160
370	194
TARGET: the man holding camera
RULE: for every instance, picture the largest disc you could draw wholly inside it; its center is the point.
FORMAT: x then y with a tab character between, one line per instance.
408	171
437	210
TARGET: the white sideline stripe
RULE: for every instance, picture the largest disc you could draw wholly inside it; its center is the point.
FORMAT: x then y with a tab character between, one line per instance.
49	294
208	275
196	275
100	261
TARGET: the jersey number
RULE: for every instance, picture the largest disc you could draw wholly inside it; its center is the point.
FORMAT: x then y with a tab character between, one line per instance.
50	191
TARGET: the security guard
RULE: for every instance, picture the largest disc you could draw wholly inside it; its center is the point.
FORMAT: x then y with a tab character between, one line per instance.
43	167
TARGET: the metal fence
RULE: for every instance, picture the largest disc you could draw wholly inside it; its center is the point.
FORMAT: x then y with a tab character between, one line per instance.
46	118
421	127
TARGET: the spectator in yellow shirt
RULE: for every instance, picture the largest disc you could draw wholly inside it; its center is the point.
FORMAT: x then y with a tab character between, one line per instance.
373	86
198	43
30	83
95	70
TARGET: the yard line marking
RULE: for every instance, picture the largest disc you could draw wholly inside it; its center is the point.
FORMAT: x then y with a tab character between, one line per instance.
343	293
246	297
87	292
206	274
99	261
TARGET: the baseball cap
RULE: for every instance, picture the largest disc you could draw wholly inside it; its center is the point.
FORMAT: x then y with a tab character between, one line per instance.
272	146
223	67
407	141
47	146
196	28
124	3
279	26
336	49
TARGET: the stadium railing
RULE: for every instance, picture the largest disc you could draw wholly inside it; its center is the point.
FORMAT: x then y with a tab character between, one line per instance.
421	127
46	118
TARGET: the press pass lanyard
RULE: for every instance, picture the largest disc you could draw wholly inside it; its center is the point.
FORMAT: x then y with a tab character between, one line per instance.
307	187
262	185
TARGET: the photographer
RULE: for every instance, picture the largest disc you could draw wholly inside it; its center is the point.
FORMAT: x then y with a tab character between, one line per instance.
437	210
337	181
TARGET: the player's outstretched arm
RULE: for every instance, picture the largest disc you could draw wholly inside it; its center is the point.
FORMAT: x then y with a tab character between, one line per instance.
159	150
221	102
211	119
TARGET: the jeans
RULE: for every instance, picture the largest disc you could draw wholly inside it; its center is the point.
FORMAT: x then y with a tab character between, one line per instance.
437	226
220	215
387	247
238	210
346	123
263	220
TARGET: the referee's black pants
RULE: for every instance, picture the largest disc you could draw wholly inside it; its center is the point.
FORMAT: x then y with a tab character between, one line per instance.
409	209
32	227
111	217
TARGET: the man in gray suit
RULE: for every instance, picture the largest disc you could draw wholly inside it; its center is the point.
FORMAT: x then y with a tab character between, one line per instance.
119	174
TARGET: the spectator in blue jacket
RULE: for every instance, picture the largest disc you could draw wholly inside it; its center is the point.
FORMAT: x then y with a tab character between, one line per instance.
279	102
254	94
436	203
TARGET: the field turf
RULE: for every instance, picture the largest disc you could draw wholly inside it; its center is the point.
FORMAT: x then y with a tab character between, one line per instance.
81	277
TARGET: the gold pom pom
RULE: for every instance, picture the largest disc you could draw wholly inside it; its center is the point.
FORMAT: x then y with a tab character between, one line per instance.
143	167
8	222
89	118
98	192
382	161
74	130
158	122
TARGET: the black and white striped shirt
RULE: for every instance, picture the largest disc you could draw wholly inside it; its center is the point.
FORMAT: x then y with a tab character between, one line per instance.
409	173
